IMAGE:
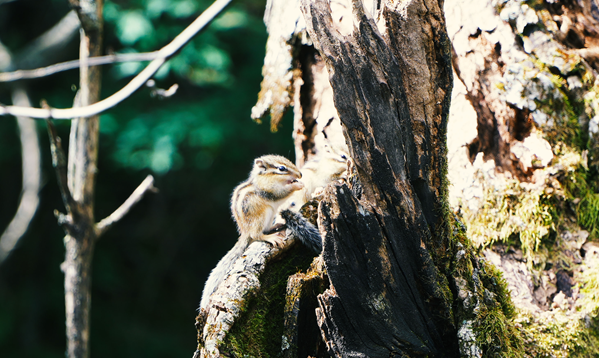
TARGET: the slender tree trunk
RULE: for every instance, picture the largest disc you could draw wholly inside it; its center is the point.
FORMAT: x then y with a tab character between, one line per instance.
82	169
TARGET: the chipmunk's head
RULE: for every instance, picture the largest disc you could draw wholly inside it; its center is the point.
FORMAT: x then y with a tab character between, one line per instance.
279	171
335	153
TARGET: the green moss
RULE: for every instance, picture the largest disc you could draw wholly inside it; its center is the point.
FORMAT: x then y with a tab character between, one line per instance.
531	217
588	212
493	279
564	107
494	326
497	335
534	3
506	215
562	333
258	330
558	335
514	210
484	301
580	188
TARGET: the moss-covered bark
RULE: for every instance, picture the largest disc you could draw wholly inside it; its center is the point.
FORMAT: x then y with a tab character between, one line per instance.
530	209
259	330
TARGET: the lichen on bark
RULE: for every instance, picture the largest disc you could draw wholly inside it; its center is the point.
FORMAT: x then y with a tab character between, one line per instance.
525	182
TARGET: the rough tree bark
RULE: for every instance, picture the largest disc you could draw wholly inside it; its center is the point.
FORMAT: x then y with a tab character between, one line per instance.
399	274
382	238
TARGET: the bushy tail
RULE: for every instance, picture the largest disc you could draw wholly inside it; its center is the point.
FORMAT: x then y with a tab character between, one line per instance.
219	273
301	228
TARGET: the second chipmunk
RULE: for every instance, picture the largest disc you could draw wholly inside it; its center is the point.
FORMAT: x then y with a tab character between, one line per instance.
254	205
317	173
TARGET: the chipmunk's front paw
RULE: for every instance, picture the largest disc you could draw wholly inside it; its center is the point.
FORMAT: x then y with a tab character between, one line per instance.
276	240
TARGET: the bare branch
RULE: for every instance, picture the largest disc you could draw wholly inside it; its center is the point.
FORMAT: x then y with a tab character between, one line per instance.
118	214
46	48
225	305
5	57
6	1
165	53
71	65
31	163
162	93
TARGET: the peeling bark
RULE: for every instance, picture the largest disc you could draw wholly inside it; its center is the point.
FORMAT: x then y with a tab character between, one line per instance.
301	335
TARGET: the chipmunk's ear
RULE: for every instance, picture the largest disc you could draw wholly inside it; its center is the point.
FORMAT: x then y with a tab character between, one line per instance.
259	163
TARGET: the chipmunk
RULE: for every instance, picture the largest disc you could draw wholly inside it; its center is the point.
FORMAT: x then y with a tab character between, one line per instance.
254	206
318	173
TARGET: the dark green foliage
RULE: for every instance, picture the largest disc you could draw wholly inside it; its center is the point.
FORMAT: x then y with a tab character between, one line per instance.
150	268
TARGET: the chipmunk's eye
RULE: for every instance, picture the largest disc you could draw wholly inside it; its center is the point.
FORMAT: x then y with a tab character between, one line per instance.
344	157
283	168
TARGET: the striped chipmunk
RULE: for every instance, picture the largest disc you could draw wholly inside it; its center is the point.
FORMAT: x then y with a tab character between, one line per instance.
254	205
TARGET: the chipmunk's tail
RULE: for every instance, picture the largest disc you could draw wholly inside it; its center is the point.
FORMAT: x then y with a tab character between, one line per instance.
221	271
304	230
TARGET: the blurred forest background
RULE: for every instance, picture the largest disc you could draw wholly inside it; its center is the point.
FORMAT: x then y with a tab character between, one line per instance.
149	269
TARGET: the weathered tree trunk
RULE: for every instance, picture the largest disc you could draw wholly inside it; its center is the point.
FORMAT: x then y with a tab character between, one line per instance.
388	232
399	274
384	238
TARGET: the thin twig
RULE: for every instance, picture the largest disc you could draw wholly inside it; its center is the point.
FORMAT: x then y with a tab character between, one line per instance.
70	65
136	196
165	53
59	162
